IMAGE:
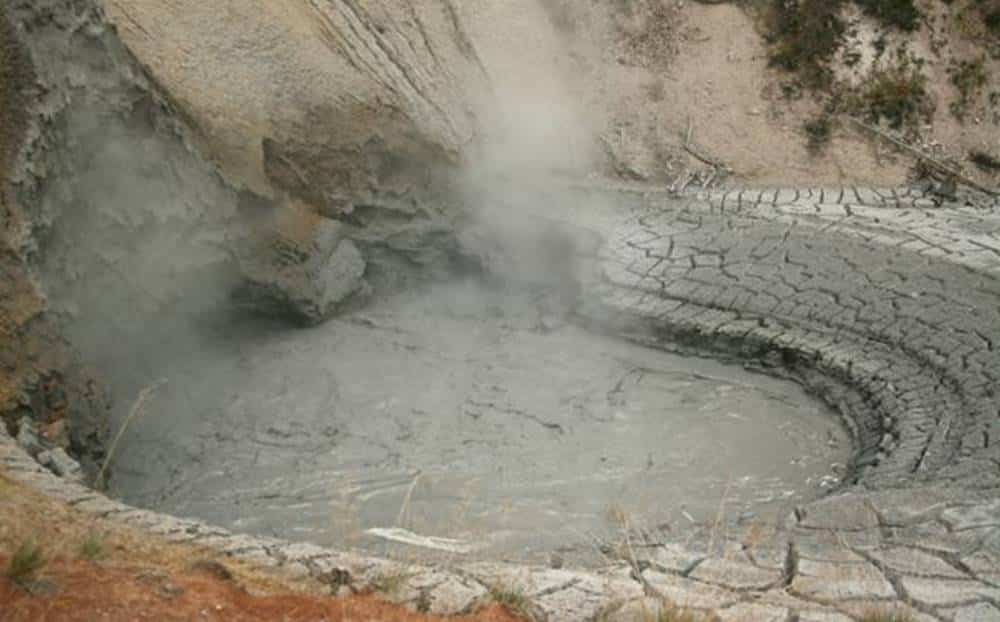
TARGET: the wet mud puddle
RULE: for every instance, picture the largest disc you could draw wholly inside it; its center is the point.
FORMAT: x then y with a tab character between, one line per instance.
459	423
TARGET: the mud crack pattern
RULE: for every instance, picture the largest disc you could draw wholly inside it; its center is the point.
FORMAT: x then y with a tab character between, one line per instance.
880	289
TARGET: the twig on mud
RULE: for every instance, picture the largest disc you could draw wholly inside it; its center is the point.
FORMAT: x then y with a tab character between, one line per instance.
681	183
137	407
704	158
647	587
404	509
689	147
921	155
719	169
719	523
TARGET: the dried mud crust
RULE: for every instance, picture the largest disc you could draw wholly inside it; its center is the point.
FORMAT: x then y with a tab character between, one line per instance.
880	290
882	301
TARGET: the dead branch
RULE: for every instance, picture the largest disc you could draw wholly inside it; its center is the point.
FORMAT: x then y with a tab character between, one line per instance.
923	156
691	149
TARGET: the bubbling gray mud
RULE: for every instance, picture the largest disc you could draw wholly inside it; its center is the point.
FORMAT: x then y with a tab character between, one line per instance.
463	413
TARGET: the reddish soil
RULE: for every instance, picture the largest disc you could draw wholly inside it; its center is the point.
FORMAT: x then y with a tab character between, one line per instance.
140	577
85	591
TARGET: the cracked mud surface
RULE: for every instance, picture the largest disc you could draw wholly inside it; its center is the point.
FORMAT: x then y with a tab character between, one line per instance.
464	412
883	303
877	288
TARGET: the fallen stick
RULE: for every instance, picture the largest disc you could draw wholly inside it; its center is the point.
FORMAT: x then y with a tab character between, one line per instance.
923	156
689	147
704	158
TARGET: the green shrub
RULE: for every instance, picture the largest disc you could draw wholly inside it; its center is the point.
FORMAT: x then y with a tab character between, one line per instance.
27	560
896	94
992	21
901	14
985	162
819	131
92	548
514	599
969	78
804	36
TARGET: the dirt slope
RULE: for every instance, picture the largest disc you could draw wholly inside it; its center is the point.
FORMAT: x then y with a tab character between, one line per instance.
285	93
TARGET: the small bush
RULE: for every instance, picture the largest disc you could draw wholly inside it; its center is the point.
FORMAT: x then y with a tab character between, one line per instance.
969	77
985	162
92	548
896	94
391	583
992	21
819	131
513	598
901	14
27	560
804	36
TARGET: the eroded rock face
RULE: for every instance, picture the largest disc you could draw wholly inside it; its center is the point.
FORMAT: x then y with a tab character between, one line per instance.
326	100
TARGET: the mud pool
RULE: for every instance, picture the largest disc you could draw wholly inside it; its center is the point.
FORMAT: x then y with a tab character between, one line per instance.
467	415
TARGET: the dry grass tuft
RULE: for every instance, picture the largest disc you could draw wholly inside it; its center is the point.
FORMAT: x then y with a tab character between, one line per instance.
514	599
391	583
26	562
672	613
896	94
137	409
92	548
880	615
969	78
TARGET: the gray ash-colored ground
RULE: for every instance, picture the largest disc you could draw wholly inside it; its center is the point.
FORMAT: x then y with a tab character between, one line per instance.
470	413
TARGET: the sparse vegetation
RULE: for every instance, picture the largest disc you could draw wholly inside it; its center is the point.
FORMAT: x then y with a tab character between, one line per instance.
886	616
672	613
991	20
648	31
896	94
513	598
985	162
969	78
980	21
92	547
27	560
390	583
818	131
901	14
804	35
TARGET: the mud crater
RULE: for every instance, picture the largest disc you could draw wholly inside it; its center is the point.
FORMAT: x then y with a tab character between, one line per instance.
469	415
463	418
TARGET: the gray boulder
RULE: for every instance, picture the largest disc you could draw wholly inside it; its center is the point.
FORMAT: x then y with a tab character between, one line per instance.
27	437
60	463
305	274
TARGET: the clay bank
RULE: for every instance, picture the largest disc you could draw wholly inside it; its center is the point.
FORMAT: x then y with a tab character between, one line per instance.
339	314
